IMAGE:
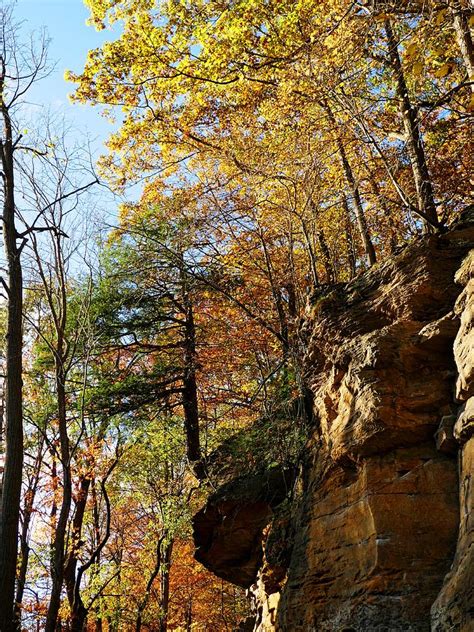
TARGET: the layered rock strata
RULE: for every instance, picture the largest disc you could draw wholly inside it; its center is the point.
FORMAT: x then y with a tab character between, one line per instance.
454	607
377	532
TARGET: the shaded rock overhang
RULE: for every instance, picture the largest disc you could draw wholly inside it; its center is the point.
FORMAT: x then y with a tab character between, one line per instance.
228	529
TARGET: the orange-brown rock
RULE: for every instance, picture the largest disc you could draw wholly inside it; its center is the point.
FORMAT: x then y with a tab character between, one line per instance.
228	530
454	607
373	528
375	543
464	342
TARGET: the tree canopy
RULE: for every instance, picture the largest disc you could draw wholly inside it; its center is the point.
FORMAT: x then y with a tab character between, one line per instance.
281	149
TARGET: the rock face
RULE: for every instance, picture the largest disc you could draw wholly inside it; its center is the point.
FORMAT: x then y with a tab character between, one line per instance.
454	608
229	529
378	534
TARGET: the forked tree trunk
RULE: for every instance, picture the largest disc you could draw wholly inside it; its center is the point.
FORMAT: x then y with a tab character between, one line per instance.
162	566
59	540
277	299
414	141
359	209
78	612
353	188
459	16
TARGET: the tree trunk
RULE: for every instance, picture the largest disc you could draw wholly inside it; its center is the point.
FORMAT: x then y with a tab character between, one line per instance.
78	612
463	35
165	587
349	238
326	256
98	620
12	475
359	209
354	189
78	617
460	25
188	614
24	556
386	211
190	396
411	125
162	561
24	536
464	38
277	298
58	548
311	254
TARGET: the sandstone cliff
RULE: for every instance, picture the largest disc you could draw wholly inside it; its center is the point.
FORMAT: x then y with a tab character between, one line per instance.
374	531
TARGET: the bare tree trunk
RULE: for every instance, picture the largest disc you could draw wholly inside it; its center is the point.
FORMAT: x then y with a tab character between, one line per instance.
349	238
424	188
81	612
459	16
24	536
156	569
20	67
2	421
115	617
463	36
12	475
87	480
78	616
98	620
291	284
359	209
353	187
55	288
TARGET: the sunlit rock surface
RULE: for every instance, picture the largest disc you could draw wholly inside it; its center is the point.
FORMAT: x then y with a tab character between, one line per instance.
454	608
377	532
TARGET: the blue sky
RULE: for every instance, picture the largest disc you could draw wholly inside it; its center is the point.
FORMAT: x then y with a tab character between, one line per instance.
65	21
